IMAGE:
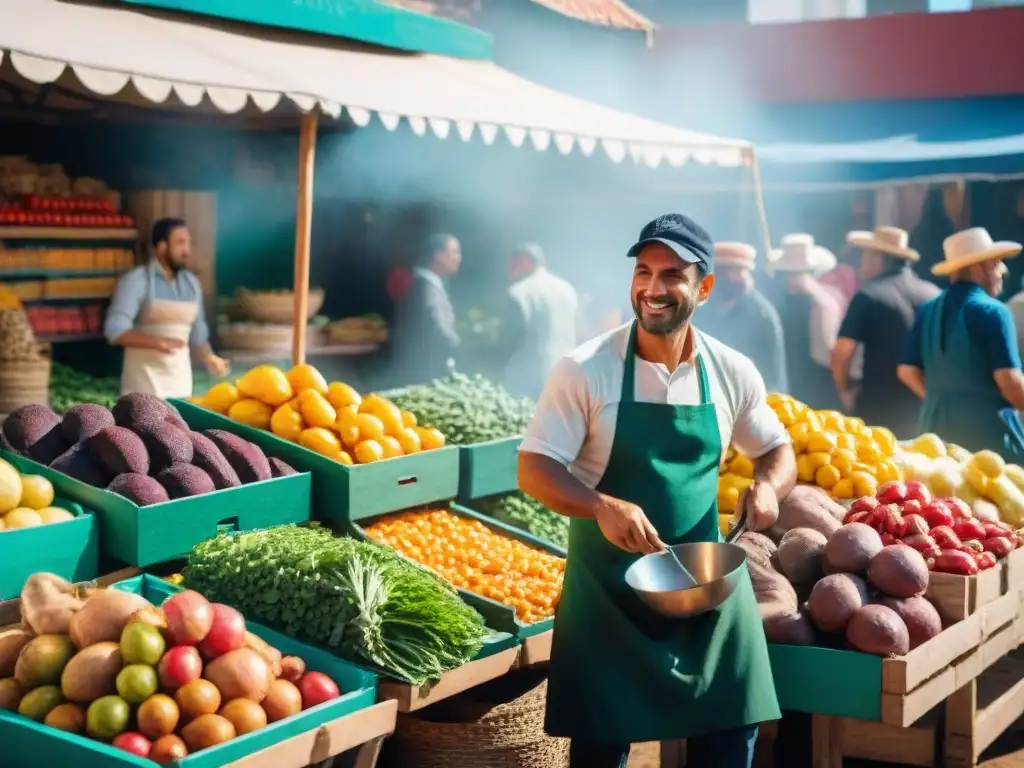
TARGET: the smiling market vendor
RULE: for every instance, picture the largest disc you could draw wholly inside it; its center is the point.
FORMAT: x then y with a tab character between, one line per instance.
627	439
157	315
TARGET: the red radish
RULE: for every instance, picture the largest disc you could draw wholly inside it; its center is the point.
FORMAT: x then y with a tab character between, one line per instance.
895	525
916	524
856	517
958	507
946	537
893	492
998	546
937	513
922	542
998	530
316	688
911	507
888	539
985	560
956	562
189	618
133	742
227	633
968	528
918	491
864	504
180	665
973	546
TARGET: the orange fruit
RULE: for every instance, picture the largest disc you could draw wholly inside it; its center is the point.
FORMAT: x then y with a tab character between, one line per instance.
369	451
370	427
340	394
408	419
827	476
287	423
392	448
409	440
430	438
321	440
345	458
268	384
36	492
315	409
221	397
382	408
306	377
251	412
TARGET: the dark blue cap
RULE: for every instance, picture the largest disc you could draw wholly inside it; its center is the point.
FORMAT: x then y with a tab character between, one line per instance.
687	239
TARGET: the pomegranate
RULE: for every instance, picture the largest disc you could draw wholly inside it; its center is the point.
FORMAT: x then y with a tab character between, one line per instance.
227	633
189	618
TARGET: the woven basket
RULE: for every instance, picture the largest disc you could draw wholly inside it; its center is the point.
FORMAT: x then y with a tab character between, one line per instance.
478	733
253	337
276	308
24	382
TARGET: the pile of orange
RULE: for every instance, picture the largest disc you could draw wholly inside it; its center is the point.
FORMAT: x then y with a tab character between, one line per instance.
331	419
473	557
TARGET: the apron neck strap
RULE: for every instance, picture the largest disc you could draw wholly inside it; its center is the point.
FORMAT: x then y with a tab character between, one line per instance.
628	394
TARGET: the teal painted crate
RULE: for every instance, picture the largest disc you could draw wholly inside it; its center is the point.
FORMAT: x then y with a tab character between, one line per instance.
143	536
824	681
70	549
498	616
488	469
338	490
26	742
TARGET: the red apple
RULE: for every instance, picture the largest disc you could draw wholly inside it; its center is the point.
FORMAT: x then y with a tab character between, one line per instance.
918	491
180	665
227	633
133	742
316	688
893	492
189	617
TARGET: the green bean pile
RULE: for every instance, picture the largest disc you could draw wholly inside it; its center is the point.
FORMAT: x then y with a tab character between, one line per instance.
69	387
467	409
519	510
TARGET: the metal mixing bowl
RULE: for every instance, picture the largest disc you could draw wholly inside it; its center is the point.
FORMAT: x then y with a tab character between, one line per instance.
657	580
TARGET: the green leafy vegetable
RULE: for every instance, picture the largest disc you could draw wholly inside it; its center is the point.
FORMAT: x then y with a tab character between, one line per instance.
519	510
69	387
361	599
467	409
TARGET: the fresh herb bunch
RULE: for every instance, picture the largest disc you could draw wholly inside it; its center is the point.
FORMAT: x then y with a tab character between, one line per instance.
363	600
467	409
69	387
519	510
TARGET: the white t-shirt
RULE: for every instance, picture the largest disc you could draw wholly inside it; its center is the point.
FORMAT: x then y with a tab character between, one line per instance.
574	423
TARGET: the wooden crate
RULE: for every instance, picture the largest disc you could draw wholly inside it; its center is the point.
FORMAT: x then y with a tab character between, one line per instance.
957	597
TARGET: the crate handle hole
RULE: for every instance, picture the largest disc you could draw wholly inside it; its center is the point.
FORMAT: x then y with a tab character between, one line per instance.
227	525
410	480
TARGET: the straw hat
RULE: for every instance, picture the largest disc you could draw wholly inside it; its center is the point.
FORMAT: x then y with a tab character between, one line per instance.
889	240
970	247
798	253
735	255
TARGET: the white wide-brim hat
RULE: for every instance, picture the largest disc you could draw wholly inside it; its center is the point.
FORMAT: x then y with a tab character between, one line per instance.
735	255
973	246
798	253
889	240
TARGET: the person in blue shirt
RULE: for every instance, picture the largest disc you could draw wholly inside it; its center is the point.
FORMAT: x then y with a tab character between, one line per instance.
961	356
157	316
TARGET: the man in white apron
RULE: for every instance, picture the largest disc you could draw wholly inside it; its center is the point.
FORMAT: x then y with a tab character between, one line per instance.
157	315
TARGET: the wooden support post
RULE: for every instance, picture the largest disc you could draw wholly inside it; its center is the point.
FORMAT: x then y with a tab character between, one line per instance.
303	230
826	741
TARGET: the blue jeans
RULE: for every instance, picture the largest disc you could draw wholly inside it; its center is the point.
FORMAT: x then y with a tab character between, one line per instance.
733	748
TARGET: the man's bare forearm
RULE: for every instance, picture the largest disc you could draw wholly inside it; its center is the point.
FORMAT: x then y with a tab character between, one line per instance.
913	379
554	486
777	468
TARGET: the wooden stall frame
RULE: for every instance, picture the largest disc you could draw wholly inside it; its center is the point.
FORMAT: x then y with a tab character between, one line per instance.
303	233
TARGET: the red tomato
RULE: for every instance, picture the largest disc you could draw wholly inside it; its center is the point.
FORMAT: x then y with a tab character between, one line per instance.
316	688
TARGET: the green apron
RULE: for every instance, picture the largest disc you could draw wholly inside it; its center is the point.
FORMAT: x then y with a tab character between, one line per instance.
962	402
619	672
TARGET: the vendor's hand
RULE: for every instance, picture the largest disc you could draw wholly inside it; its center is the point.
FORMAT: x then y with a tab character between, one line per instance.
848	399
218	366
626	526
759	505
169	345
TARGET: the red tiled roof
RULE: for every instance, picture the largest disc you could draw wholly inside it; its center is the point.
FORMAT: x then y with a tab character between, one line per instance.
606	13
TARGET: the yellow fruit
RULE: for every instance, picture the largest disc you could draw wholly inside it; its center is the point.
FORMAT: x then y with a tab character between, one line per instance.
989	463
315	409
826	477
822	442
832	420
287	423
786	415
22	517
410	441
392	448
369	451
742	466
3	525
864	484
724	523
728	499
930	445
977	479
843	460
54	515
408	419
221	397
888	471
322	441
869	453
813	422
36	492
305	378
804	470
843	489
818	459
267	384
959	453
370	427
799	429
854	424
251	412
345	458
385	410
10	487
846	442
430	438
340	394
800	443
1016	475
884	439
